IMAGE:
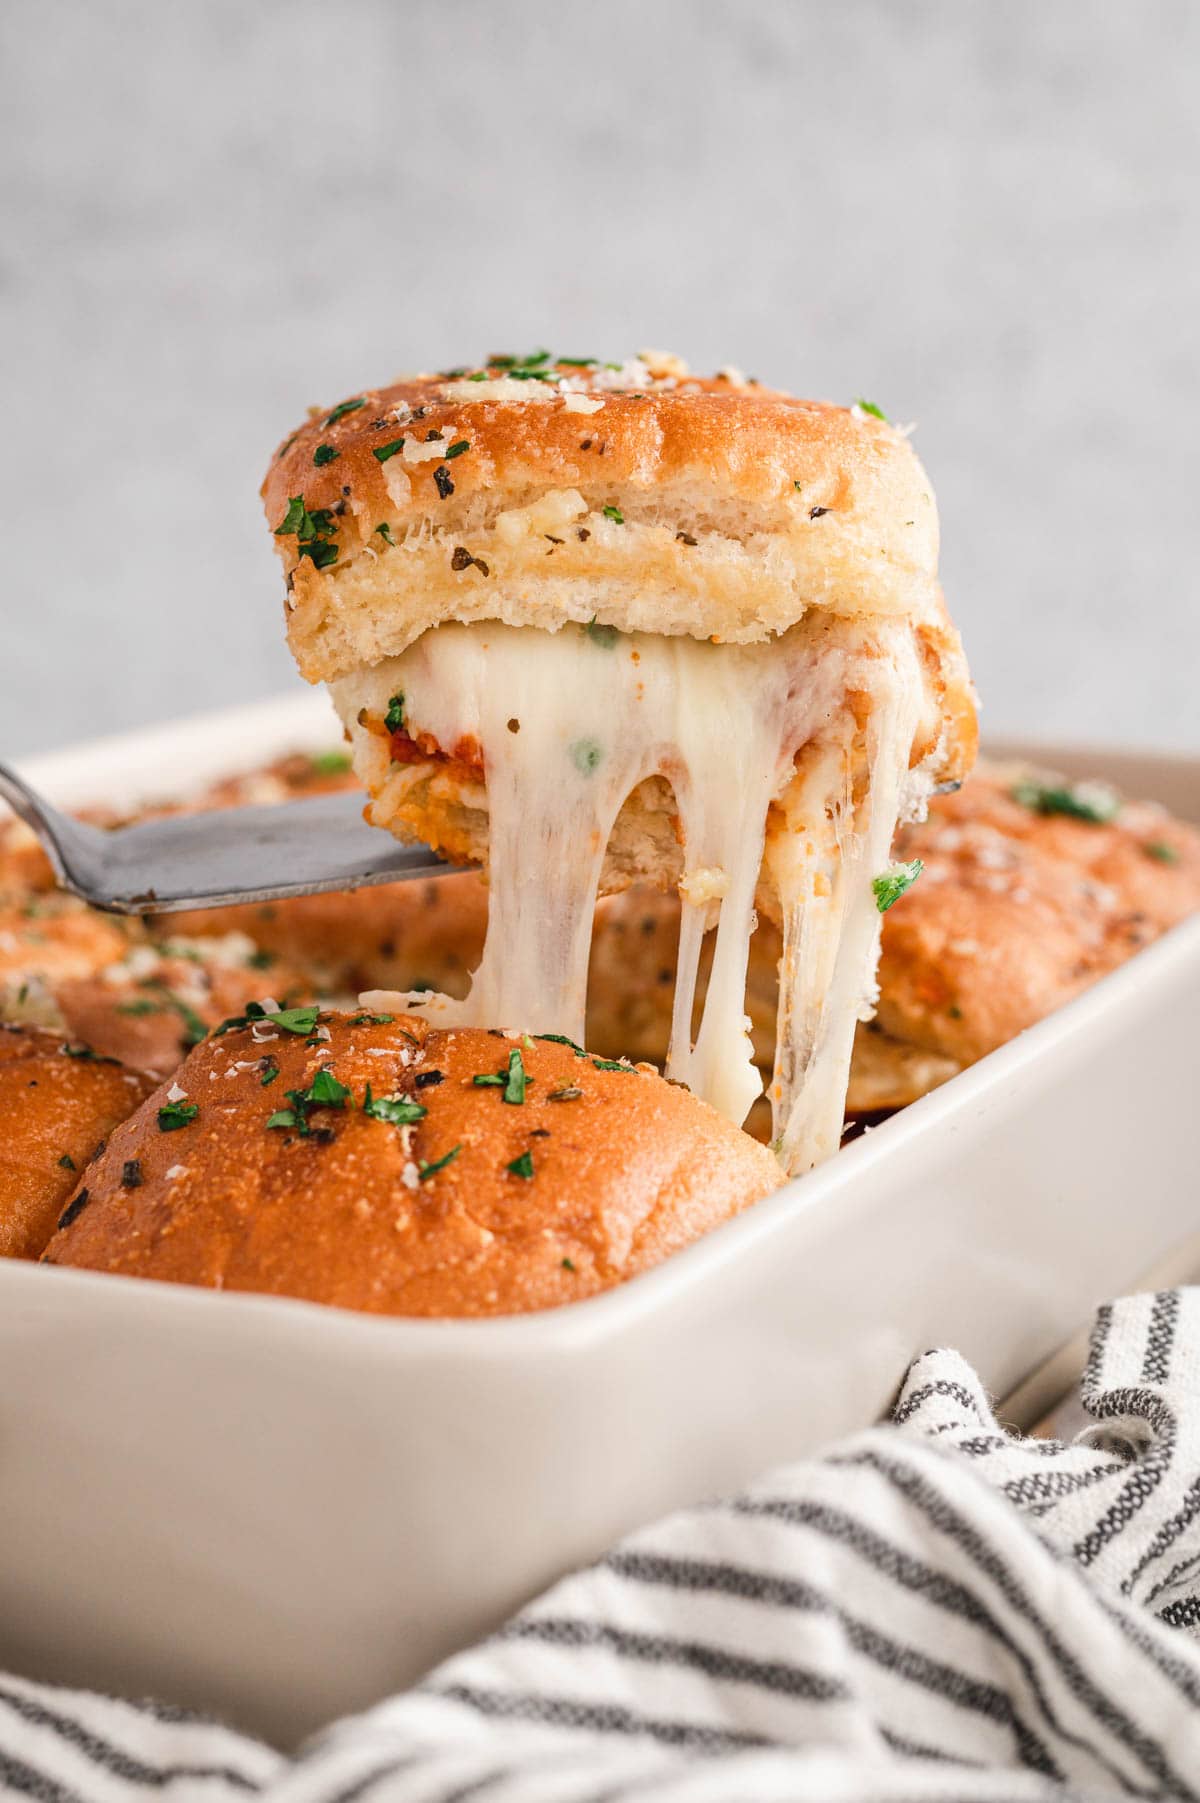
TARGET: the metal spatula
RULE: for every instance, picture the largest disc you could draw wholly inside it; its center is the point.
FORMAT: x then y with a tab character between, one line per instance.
225	855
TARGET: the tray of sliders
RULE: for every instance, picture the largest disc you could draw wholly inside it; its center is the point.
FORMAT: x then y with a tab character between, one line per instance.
369	1260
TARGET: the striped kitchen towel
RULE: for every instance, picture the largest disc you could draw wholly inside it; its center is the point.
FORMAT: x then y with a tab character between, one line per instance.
933	1610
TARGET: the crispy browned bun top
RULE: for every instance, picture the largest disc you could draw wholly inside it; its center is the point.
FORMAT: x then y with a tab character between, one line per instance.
555	1178
1022	905
664	501
58	1099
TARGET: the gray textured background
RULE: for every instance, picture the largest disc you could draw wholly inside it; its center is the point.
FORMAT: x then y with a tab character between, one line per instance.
981	213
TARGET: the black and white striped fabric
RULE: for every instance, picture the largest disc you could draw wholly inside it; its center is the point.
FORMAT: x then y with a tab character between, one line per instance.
933	1610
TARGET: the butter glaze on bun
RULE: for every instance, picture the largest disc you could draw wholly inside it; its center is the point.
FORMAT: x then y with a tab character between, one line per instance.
484	1205
1022	905
58	1100
661	501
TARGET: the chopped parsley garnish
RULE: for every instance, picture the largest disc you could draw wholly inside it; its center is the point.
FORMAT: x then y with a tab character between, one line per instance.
291	1020
174	1115
398	1111
314	531
343	408
73	1210
601	635
441	477
330	763
569	1093
385	533
394	718
325	1091
611	1064
260	960
614	514
568	1265
270	1071
586	756
195	1029
295	517
521	362
894	883
872	409
376	1020
306	525
457	448
1160	851
532	368
489	1080
143	1005
577	362
67	1162
320	550
324	454
381	452
86	1054
522	1166
425	1170
514	1088
131	1173
561	1039
1093	802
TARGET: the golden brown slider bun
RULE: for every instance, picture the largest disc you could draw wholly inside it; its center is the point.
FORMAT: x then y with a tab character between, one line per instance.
415	935
49	942
556	1178
58	1100
133	997
731	508
1022	905
53	937
156	1002
24	867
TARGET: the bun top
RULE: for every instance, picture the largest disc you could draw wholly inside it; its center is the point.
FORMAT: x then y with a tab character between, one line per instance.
1033	887
58	1099
267	1166
537	491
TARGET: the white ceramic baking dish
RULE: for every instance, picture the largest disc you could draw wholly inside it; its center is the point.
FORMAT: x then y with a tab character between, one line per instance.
281	1512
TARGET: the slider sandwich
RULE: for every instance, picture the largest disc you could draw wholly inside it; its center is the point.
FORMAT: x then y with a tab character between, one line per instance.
59	1099
375	1162
589	625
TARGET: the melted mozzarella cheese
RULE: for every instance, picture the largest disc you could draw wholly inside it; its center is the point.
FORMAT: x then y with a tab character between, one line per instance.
598	713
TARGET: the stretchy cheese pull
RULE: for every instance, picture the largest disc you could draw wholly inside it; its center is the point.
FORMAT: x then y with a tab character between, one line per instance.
570	725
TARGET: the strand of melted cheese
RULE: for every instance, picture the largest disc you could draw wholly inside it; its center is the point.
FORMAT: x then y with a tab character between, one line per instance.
838	839
596	714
